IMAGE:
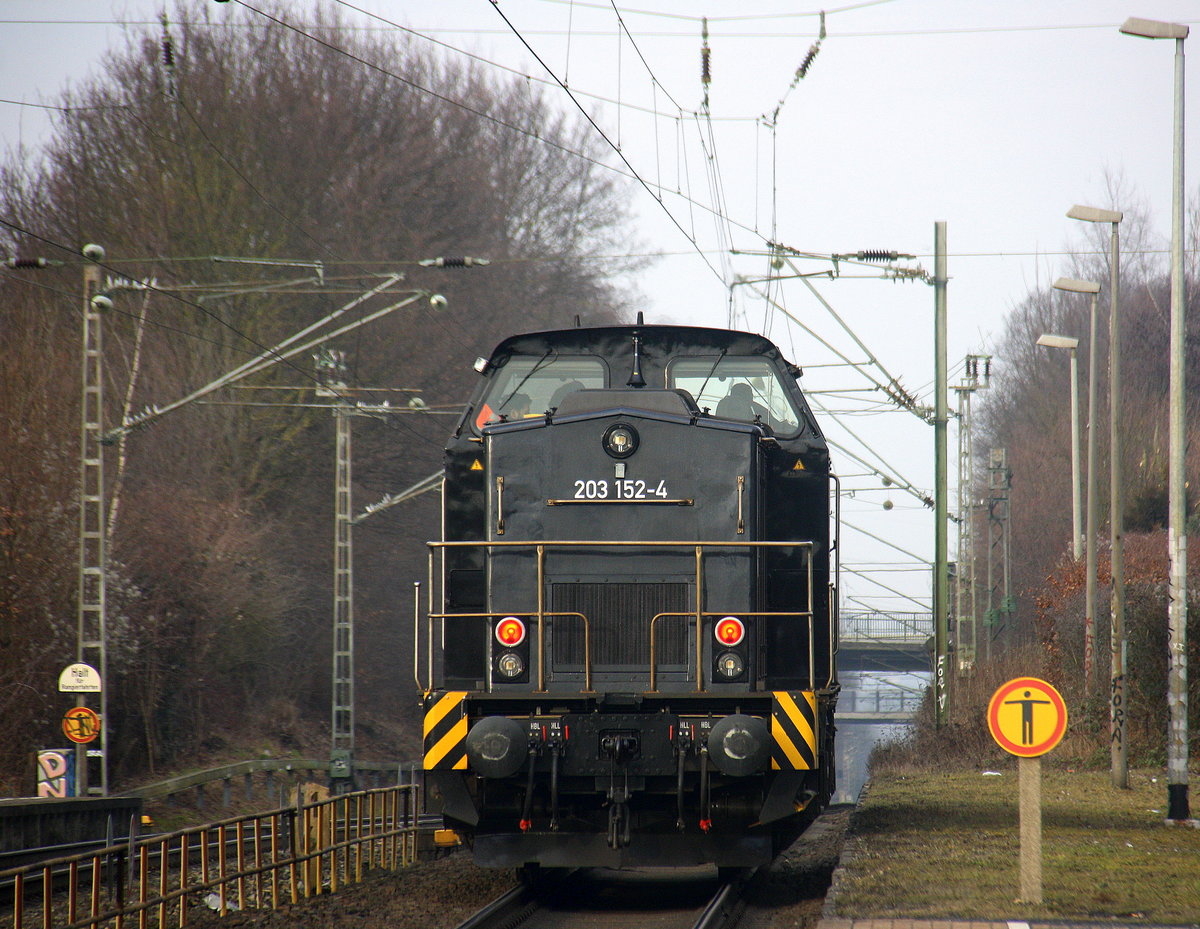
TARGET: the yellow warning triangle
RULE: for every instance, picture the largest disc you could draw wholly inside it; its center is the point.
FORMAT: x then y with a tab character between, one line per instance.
799	466
477	465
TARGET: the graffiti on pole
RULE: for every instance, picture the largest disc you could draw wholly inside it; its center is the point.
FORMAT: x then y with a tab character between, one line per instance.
56	772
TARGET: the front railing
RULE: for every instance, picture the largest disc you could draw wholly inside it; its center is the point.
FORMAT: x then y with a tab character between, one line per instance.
258	861
542	616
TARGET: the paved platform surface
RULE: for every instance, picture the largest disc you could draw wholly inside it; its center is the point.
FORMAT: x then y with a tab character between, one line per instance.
838	923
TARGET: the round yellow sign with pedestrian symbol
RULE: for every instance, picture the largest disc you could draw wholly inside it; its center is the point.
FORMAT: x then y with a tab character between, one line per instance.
1027	717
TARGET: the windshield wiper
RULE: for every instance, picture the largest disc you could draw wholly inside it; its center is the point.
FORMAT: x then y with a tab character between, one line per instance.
712	371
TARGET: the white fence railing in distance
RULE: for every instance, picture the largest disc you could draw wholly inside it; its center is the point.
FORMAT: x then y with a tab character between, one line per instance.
880	701
885	628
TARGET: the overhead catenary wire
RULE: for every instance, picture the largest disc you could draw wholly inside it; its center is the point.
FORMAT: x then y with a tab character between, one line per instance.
889	544
180	105
264	351
871	580
735	17
279	352
630	172
721	205
516	72
901	484
29	233
773	34
891	389
603	135
718	211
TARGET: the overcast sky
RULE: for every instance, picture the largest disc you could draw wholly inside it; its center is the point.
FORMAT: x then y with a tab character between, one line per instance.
994	117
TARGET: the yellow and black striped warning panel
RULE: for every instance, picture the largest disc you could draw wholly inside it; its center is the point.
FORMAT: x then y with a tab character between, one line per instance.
446	732
793	731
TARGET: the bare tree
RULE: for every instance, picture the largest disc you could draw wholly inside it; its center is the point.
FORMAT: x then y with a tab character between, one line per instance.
366	153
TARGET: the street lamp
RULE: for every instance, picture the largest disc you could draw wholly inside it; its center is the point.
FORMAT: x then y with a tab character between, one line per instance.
1177	727
1089	609
1118	748
1064	341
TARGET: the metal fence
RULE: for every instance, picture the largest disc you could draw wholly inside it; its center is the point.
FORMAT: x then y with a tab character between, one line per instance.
880	701
257	861
273	775
886	628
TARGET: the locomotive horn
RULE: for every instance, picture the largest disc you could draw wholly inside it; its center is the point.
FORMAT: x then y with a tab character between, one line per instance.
635	377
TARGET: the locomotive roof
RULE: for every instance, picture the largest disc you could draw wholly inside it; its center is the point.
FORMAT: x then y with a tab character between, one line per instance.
657	346
667	339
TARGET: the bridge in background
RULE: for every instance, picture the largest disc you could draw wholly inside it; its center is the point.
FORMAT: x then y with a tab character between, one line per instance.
892	641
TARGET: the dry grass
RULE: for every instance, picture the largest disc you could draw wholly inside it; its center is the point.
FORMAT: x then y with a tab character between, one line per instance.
946	845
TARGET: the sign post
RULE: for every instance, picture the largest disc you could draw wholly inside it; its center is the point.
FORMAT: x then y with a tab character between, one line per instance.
1027	717
80	679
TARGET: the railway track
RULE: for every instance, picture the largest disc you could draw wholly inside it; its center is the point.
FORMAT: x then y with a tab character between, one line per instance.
594	898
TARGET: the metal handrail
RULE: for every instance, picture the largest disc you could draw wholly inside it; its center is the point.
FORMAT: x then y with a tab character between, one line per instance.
587	634
334	838
709	614
540	614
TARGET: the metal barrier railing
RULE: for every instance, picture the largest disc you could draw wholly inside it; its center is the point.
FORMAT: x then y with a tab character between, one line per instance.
812	653
247	862
886	627
275	775
541	614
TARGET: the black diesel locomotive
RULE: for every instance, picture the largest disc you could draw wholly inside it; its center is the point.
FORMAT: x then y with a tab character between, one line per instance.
628	656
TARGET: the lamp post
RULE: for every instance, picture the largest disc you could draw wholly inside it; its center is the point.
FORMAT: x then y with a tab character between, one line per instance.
1118	649
1177	726
1064	341
1089	548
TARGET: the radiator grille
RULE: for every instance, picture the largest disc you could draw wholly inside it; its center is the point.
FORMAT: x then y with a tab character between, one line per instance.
620	614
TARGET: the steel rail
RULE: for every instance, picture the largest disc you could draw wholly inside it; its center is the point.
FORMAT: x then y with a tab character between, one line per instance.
503	910
725	907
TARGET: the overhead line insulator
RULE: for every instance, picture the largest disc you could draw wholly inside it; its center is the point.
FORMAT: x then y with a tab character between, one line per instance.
802	71
464	262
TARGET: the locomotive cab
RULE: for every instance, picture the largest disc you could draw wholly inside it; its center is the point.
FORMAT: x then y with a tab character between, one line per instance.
635	593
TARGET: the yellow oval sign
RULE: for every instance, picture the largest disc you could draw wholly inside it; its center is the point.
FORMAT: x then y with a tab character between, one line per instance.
1027	717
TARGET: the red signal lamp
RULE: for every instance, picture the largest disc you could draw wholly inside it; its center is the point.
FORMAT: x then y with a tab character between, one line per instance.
510	631
730	631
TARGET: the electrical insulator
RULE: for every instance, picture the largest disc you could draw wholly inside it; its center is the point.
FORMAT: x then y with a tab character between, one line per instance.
26	262
808	60
168	54
876	254
464	262
706	65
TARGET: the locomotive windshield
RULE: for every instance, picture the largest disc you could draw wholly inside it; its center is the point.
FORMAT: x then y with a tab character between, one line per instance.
737	388
528	386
